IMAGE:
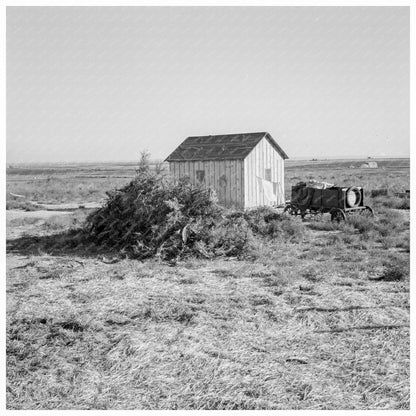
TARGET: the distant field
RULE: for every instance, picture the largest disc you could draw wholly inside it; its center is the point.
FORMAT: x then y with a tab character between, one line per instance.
393	174
89	182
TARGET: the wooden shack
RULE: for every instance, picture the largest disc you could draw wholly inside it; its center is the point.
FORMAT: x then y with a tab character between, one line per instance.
246	170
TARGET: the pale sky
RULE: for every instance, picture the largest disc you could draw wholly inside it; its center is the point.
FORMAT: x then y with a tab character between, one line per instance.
104	83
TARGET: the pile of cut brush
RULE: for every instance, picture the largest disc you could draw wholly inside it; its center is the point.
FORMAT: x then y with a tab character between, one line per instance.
154	216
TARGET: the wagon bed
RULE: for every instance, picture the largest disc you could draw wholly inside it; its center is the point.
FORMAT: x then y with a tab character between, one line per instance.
320	199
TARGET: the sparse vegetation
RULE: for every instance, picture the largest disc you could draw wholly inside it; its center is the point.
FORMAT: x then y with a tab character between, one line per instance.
391	202
23	205
281	313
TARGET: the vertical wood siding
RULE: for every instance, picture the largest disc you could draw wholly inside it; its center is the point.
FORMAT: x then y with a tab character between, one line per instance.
235	181
262	157
225	176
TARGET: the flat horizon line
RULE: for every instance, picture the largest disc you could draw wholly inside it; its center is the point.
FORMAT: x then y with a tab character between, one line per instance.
306	158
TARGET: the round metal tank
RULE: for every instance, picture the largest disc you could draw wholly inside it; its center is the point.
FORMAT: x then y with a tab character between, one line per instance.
353	197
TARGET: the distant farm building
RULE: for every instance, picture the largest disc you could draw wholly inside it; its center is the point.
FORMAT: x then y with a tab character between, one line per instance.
369	165
246	170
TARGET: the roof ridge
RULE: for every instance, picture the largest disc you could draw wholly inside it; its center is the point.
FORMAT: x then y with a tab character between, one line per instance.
221	146
231	134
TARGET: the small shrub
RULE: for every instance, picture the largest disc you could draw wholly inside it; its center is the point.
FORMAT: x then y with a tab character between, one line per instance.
379	192
293	230
390	223
264	221
230	238
361	223
403	204
393	272
395	268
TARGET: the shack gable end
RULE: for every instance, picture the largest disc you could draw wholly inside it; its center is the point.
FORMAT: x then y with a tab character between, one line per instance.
263	176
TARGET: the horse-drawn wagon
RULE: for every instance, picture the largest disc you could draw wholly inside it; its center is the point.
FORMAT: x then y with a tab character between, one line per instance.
319	198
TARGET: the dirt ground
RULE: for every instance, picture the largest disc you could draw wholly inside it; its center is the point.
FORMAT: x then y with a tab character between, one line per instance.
306	327
20	222
319	320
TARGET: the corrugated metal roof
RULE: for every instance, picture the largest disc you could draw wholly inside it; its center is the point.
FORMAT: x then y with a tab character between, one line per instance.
221	147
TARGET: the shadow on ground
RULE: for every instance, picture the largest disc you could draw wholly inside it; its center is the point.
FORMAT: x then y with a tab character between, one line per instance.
65	243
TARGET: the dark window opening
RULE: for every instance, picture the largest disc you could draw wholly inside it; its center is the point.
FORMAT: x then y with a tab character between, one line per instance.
200	175
268	175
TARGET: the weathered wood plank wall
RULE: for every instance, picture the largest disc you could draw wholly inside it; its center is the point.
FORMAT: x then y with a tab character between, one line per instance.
236	181
262	157
225	176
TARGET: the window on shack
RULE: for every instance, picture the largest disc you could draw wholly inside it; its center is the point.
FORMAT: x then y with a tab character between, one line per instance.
200	176
268	175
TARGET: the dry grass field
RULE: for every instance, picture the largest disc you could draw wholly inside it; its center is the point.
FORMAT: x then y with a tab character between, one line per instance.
316	318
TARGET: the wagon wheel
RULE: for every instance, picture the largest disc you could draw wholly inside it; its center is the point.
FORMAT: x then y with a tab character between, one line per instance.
338	215
290	209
